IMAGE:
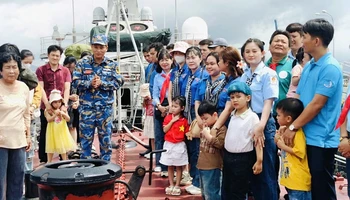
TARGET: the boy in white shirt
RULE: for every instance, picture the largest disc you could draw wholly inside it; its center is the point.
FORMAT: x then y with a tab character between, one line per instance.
241	159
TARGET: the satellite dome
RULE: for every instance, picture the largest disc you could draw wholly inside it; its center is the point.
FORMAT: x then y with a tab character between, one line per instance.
146	14
98	15
194	28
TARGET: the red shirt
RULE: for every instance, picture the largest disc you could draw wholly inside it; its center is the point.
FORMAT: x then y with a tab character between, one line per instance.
177	131
53	79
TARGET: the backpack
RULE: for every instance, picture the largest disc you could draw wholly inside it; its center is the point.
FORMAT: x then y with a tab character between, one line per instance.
29	78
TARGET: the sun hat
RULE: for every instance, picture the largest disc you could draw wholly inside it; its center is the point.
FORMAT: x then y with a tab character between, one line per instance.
180	46
55	95
144	90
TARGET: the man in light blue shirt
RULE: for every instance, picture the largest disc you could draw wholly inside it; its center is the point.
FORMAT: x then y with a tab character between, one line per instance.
150	73
320	90
154	49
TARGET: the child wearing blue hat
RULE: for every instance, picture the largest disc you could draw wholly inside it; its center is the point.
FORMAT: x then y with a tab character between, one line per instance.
241	159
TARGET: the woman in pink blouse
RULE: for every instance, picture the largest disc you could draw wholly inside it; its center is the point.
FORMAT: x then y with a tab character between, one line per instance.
14	127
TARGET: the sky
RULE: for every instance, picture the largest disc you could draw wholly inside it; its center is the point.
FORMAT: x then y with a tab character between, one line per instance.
24	22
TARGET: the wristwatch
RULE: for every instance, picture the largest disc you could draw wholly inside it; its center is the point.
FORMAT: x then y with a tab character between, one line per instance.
342	138
292	128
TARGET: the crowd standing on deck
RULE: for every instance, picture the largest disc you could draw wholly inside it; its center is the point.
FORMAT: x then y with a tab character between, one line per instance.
223	116
257	101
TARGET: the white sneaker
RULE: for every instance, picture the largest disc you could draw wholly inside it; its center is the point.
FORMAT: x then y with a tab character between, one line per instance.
164	174
148	156
186	179
158	169
193	190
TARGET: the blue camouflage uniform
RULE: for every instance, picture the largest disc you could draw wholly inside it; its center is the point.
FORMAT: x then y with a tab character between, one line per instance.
95	108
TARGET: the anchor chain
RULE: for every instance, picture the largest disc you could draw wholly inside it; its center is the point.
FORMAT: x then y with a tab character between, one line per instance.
121	193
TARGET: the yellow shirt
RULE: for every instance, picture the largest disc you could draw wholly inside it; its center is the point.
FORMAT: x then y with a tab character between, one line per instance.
295	173
37	96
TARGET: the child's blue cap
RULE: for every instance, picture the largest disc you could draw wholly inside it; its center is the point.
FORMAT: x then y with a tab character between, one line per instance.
239	87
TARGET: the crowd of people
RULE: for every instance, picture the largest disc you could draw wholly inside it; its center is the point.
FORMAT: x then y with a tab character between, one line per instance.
78	95
224	116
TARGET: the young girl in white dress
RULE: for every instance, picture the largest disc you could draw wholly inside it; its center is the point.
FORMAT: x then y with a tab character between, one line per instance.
175	126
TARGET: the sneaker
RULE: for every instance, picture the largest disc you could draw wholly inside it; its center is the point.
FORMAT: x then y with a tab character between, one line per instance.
164	174
148	156
185	180
193	190
176	191
158	169
169	190
186	173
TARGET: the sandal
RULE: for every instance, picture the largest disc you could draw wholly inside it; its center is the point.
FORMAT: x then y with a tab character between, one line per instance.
94	154
176	191
169	190
75	155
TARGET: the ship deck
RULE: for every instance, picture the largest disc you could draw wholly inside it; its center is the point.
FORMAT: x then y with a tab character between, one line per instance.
155	191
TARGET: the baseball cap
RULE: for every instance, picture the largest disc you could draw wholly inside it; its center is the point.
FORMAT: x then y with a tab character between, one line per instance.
219	42
239	87
99	39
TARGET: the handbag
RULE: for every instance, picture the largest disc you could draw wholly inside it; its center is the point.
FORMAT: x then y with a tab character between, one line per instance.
194	131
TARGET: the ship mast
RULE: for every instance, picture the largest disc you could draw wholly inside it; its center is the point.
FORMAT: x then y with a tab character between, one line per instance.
131	8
